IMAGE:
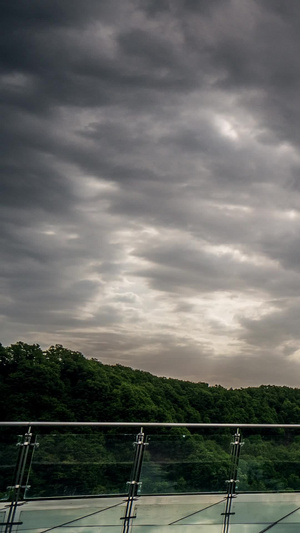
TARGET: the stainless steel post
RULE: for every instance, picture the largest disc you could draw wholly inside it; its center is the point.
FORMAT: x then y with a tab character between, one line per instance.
231	491
134	482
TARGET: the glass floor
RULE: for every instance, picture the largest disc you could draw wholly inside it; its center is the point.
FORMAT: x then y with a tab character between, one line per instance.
253	513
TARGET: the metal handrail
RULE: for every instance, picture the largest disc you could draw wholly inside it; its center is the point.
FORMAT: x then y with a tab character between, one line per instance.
153	424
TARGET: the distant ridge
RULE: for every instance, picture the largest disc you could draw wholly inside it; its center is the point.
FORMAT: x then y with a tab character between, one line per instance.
61	384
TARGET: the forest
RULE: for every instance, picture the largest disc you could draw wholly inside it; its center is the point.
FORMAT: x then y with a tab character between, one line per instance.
60	384
63	385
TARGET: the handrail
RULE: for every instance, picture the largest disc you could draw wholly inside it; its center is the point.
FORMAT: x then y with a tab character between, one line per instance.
153	424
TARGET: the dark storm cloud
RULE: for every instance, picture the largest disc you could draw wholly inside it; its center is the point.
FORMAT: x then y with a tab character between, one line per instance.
273	329
150	203
259	62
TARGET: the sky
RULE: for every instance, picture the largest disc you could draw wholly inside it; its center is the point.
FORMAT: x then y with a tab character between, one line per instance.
150	184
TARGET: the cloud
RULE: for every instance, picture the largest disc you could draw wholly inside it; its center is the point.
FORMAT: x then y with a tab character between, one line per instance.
150	184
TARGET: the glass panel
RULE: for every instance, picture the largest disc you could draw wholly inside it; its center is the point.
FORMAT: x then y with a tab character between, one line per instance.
179	510
9	451
2	518
74	515
186	463
293	517
286	528
75	465
269	461
246	528
184	513
179	529
75	529
266	511
253	510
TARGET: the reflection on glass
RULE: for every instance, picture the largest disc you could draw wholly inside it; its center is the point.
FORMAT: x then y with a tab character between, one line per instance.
186	463
269	461
67	465
9	451
180	510
89	514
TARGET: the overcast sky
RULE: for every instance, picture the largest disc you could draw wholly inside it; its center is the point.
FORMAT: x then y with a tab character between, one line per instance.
150	184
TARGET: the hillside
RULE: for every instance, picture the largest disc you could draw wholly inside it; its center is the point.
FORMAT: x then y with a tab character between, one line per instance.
60	384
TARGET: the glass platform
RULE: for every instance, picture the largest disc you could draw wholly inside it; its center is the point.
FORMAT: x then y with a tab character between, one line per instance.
254	513
203	478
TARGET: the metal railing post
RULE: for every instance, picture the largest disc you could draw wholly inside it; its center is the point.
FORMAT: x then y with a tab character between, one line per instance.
134	482
231	491
26	449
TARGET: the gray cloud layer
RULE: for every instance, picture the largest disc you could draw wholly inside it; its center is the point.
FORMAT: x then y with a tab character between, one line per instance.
150	184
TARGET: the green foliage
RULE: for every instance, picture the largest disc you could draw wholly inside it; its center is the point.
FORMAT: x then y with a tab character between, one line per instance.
61	384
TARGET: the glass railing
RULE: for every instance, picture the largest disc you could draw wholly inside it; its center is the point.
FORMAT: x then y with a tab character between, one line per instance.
65	465
185	463
78	476
9	452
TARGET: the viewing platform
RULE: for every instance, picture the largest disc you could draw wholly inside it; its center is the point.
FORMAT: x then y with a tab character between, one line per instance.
74	477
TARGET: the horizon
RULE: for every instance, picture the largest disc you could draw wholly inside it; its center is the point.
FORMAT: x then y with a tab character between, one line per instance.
116	363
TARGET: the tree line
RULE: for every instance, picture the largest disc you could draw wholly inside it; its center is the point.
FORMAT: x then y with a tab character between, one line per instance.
63	385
